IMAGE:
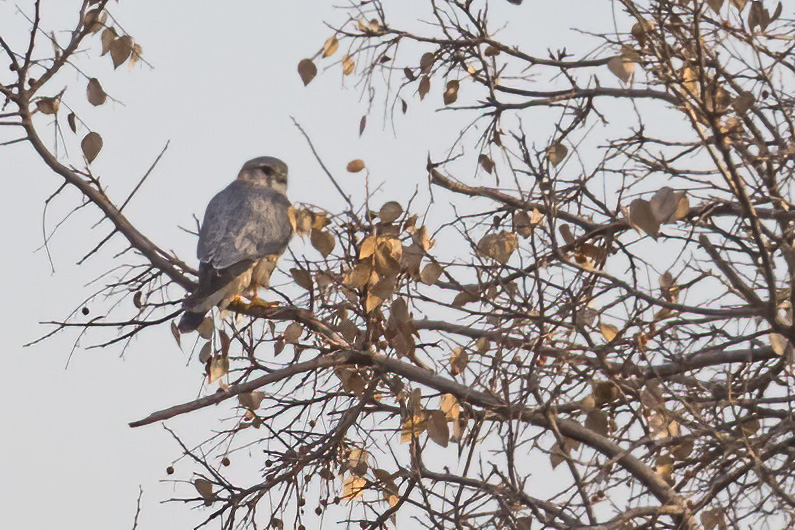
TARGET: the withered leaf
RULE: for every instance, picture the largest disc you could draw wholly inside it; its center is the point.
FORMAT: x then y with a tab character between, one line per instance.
323	241
205	489
91	145
498	247
451	92
293	332
176	334
120	50
425	87
206	328
96	95
557	153
307	70
622	67
430	273
597	421
458	361
426	62
107	37
486	163
715	4
413	426
354	166
205	353
437	427
48	106
353	487
390	211
362	125
348	64
330	46
219	367
609	331
251	400
642	217
302	278
71	119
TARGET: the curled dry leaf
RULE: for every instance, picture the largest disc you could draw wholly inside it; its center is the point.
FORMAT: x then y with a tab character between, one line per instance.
107	37
307	70
491	51
354	166
498	247
413	426
609	331
450	406
175	332
251	400
623	67
458	361
353	487
425	87
390	211
486	163
451	92
71	119
219	367
330	46
91	145
206	328
48	105
348	65
556	153
96	95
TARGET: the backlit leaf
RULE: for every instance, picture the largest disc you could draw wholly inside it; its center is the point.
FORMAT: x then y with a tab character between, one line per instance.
609	331
430	273
556	153
437	427
354	166
622	67
642	217
348	65
330	46
302	278
323	241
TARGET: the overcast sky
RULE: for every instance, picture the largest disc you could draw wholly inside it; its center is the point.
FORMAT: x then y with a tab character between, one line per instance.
222	90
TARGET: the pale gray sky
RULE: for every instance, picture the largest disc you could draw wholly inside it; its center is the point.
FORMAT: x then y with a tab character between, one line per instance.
222	90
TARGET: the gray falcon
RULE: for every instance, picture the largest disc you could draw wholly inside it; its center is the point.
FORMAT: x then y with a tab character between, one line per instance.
246	228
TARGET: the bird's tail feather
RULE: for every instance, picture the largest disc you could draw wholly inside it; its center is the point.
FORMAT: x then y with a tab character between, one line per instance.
190	321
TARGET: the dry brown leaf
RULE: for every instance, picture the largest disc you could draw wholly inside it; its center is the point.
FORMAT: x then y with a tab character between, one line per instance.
498	247
780	344
390	211
597	421
713	519
353	487
565	232
642	217
330	46
206	328
426	62
437	427
458	361
307	70
425	87
348	65
71	119
176	333
665	468
430	273
486	163
206	353
556	153
293	332
413	426
96	95
323	241
48	106
739	4
91	145
491	51
302	278
205	489
359	275
715	4
251	400
120	50
387	256
451	92
354	166
465	297
107	38
219	367
609	331
622	67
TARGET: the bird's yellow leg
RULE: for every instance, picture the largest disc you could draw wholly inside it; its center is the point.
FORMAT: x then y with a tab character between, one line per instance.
257	301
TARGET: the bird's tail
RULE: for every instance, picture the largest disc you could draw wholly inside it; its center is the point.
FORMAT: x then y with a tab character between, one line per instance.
190	321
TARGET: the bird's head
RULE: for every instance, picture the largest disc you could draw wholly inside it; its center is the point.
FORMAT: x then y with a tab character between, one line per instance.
266	172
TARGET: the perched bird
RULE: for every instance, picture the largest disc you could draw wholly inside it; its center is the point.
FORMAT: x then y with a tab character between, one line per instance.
245	229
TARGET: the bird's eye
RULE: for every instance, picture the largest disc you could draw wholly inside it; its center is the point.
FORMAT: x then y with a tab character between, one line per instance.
267	170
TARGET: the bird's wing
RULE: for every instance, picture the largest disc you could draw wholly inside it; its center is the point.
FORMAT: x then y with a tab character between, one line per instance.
244	223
